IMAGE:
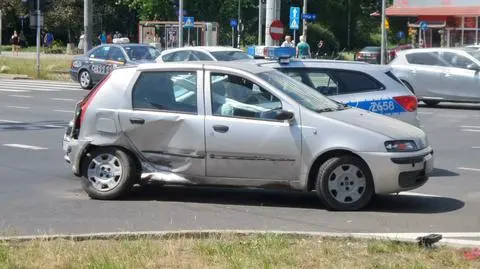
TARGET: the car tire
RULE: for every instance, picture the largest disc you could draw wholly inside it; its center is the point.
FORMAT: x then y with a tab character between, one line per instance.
109	173
431	102
339	189
85	80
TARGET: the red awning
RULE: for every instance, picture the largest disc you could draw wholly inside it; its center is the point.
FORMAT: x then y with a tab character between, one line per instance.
433	11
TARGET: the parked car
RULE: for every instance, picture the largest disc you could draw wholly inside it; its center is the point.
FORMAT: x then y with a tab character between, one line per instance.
370	87
369	54
392	53
237	124
440	74
202	53
93	66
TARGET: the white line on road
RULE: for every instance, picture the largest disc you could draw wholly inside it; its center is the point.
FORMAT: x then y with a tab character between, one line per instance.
20	96
10	121
19	107
475	147
11	90
469	169
471	130
424	113
52	126
62	99
22	146
64	111
470	127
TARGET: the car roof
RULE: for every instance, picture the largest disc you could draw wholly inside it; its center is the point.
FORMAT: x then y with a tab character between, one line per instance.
245	66
330	64
415	50
204	48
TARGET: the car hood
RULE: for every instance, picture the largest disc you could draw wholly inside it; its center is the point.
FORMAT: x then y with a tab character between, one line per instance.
387	126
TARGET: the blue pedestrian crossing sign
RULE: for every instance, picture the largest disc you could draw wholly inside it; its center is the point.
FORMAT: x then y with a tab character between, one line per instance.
423	25
233	23
188	22
294	18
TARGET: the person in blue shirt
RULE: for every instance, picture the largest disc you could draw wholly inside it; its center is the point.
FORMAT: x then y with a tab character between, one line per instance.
103	38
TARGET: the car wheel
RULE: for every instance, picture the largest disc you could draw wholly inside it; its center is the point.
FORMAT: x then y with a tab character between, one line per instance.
85	80
430	102
108	173
345	183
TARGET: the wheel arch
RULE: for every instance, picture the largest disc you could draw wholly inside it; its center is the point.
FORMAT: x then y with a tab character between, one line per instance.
92	147
313	171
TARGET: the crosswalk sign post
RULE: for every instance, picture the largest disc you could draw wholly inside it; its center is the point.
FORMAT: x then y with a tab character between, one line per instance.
189	23
294	21
233	24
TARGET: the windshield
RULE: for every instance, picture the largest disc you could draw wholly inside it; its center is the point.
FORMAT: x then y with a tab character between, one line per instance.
136	53
475	54
303	94
230	55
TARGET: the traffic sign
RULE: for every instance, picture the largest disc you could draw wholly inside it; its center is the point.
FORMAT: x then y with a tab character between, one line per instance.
423	25
294	18
309	17
401	35
188	22
233	23
276	30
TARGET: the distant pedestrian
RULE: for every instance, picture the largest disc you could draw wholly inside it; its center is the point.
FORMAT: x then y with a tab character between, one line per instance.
288	42
303	49
15	40
102	37
48	40
322	50
81	43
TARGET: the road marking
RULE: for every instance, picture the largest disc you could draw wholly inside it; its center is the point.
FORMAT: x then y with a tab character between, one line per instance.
63	99
20	96
22	146
10	121
470	127
475	147
469	169
471	130
424	113
64	111
52	126
19	107
11	90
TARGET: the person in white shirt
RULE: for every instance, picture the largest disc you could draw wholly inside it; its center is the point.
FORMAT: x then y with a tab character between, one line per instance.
288	42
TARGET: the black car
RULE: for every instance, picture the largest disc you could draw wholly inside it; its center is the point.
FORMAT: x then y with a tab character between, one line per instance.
90	68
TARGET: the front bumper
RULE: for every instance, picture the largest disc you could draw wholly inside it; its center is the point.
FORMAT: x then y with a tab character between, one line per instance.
396	172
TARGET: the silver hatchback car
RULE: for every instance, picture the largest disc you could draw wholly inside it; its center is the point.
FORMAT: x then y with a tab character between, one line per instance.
236	124
440	74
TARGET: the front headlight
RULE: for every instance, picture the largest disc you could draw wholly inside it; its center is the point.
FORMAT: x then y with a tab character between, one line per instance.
400	146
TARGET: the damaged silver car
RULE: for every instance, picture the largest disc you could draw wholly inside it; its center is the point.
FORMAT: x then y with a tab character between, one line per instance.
237	124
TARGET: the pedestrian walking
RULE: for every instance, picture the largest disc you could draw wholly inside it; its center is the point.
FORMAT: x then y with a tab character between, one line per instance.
15	40
303	49
288	42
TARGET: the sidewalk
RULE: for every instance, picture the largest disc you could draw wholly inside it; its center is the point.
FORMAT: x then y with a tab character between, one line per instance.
33	55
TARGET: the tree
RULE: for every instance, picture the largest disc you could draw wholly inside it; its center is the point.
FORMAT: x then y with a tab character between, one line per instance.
70	19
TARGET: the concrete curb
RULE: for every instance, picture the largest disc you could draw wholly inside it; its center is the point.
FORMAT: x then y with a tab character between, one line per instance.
14	76
405	237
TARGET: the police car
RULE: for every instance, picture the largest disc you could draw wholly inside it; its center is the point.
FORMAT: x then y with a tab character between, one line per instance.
371	87
90	68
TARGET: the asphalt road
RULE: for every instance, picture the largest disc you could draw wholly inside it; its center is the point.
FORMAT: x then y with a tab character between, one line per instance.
38	194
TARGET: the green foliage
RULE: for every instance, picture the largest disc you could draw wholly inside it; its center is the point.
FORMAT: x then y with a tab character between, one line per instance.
317	32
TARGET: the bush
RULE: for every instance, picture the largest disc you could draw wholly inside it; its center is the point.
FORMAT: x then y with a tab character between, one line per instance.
317	32
56	48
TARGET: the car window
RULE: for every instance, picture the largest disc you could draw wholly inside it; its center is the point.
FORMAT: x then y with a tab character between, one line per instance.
200	56
234	96
116	54
168	57
456	60
136	53
355	82
424	58
100	53
230	55
181	56
318	79
166	91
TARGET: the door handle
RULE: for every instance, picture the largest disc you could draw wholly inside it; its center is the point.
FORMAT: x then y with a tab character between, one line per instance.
220	128
137	121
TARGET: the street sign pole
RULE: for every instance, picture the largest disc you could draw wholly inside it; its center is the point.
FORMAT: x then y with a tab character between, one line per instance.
87	23
239	23
38	39
188	37
233	37
294	36
0	30
382	55
180	21
305	21
260	20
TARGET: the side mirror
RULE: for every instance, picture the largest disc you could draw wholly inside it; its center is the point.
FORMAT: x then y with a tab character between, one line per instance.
284	115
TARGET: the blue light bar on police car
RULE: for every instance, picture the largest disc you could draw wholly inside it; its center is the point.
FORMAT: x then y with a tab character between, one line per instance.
280	52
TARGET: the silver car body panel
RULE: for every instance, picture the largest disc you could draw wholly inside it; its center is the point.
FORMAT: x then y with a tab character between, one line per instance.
181	148
442	81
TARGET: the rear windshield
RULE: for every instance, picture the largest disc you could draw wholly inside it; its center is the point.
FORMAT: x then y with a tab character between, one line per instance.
371	49
136	53
392	76
230	55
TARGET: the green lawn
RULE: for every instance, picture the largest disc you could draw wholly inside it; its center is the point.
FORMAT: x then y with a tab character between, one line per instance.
49	67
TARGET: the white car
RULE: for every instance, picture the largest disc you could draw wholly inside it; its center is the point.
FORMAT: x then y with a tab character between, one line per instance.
203	53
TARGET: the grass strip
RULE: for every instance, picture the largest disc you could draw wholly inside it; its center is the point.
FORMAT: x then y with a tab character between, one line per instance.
50	68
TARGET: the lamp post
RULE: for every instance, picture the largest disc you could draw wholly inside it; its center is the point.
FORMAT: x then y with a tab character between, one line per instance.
383	48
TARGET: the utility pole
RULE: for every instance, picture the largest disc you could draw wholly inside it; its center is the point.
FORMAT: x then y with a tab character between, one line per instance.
38	38
268	21
87	23
349	22
305	21
180	23
1	30
239	24
260	20
382	56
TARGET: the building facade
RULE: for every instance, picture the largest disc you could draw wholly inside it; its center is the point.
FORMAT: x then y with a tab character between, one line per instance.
451	23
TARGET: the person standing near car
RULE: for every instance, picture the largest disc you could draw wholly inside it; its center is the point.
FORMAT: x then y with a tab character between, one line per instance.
303	49
288	42
103	38
15	43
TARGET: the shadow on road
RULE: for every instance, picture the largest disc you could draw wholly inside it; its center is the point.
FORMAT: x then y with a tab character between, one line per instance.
32	126
439	172
271	198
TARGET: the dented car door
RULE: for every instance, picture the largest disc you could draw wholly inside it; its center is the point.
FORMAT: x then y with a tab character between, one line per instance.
166	122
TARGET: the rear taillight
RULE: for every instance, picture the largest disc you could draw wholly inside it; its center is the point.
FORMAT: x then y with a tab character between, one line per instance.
82	106
409	102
